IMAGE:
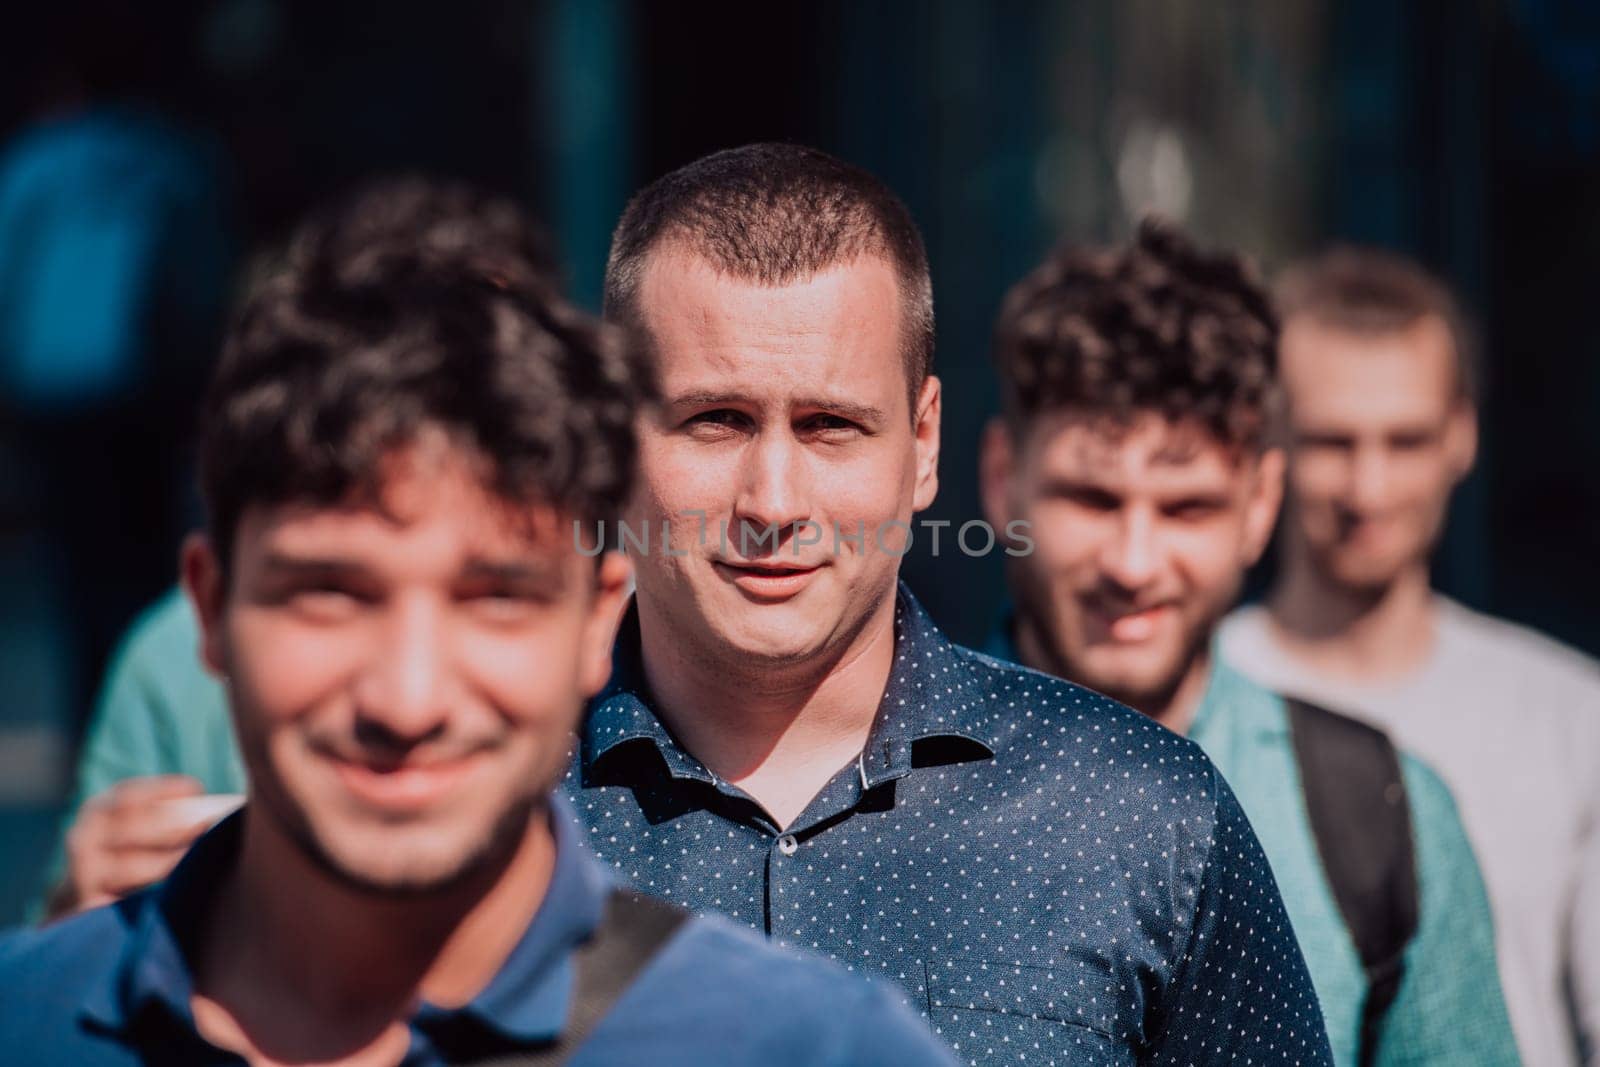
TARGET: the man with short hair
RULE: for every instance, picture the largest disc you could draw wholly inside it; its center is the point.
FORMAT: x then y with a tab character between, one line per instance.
1138	385
1380	386
789	739
395	449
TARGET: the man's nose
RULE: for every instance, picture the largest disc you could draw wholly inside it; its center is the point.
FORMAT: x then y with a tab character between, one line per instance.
773	490
1369	478
401	696
1129	555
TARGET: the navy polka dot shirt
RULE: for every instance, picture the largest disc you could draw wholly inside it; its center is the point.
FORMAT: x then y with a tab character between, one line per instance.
1052	878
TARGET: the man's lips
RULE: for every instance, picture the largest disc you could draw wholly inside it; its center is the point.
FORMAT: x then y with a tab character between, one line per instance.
405	786
1127	626
767	567
769	579
1366	524
1368	532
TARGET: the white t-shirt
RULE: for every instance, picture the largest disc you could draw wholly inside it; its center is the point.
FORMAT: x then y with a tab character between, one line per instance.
1511	720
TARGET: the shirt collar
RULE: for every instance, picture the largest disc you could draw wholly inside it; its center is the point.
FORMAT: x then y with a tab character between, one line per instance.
1231	704
154	969
527	1000
1235	706
930	696
622	716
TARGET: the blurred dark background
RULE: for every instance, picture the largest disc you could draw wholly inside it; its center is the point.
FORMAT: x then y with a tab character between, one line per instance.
150	152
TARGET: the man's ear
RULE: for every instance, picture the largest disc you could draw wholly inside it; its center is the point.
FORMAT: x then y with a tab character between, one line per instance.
1461	439
206	586
613	582
1266	498
929	409
996	465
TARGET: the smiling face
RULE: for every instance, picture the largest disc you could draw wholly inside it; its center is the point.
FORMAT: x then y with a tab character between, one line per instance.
784	417
404	682
1142	535
1381	435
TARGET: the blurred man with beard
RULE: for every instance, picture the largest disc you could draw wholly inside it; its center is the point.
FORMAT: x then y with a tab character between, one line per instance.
1139	384
395	449
1380	385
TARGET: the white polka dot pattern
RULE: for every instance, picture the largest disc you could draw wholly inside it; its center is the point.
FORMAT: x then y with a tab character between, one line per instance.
1051	877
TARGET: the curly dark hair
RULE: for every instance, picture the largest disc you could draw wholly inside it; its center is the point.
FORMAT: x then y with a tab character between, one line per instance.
1156	325
427	219
775	213
410	307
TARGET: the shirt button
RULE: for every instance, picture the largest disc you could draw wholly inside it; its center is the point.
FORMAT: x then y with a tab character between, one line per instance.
788	845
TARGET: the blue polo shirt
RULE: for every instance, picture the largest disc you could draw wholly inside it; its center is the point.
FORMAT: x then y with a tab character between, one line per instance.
112	988
1050	877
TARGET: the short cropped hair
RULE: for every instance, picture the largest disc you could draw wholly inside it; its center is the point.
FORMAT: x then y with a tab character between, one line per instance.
1152	326
1372	292
410	308
775	214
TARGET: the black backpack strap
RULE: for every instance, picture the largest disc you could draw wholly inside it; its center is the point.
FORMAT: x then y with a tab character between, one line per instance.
1361	819
632	931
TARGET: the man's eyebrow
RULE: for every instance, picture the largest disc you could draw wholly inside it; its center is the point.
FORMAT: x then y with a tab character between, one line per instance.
864	413
1073	481
520	572
850	409
703	398
276	560
535	572
1197	496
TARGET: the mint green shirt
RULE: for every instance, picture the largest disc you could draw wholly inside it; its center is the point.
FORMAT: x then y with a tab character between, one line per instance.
1450	1009
159	712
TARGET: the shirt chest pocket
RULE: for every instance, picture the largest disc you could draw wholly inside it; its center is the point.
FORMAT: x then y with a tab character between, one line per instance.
995	1012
